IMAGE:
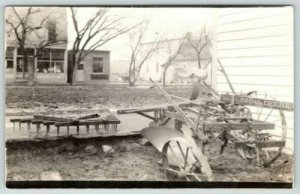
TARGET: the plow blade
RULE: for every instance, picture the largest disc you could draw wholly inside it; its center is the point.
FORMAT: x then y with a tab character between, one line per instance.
172	144
158	136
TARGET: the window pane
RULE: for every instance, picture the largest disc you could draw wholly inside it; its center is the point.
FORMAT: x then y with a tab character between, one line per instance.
20	65
30	51
9	53
43	67
9	64
57	55
97	65
44	54
81	66
58	67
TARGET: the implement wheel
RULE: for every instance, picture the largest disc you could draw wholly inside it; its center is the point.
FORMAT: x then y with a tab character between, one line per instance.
266	154
180	163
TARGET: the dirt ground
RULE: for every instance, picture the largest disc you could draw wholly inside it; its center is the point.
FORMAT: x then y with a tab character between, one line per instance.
130	160
91	96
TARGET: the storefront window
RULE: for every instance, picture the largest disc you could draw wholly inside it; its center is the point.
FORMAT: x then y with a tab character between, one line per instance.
9	53
50	61
43	67
57	55
9	65
21	66
44	54
30	52
9	58
58	67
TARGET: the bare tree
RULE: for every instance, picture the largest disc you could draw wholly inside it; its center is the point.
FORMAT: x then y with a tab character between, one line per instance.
22	25
173	51
199	44
99	29
140	53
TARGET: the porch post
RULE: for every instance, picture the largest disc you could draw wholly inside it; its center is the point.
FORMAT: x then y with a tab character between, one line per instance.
15	62
66	65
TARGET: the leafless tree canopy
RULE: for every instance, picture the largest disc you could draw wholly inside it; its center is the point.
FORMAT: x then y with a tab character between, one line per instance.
199	44
99	29
173	52
139	53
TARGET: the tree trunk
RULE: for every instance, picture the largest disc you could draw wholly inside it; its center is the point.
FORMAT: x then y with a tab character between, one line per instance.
31	70
71	69
70	74
165	72
132	79
24	59
164	76
132	82
131	76
199	60
74	73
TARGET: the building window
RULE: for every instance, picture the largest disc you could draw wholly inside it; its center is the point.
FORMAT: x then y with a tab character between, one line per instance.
52	30
58	67
21	65
97	64
50	61
9	64
81	66
9	53
9	58
57	55
29	52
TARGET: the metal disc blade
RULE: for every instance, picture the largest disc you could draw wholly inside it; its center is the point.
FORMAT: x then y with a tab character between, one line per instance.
158	136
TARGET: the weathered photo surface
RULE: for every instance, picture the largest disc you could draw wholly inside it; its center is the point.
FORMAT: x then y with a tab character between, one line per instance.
199	95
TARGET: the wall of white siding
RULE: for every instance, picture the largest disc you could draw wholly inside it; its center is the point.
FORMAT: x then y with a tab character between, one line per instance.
255	46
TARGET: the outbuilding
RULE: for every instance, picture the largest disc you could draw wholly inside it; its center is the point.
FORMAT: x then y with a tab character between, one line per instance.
94	68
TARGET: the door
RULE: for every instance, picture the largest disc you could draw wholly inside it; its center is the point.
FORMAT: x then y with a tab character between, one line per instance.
80	73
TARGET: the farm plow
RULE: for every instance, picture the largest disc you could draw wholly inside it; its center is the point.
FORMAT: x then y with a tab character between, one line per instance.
182	130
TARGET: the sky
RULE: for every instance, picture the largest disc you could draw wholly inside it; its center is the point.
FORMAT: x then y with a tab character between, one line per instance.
170	22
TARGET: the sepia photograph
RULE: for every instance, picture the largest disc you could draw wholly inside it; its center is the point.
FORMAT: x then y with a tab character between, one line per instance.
139	97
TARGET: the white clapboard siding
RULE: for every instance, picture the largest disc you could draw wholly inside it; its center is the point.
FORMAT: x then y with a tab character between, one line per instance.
255	46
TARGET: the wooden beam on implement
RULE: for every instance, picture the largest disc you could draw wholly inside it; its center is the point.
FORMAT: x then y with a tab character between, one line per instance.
136	110
258	102
174	115
217	126
262	144
145	115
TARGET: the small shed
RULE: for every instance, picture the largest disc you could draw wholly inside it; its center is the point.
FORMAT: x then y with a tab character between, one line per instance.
94	68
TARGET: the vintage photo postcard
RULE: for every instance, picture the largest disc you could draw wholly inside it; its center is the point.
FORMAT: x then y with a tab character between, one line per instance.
139	97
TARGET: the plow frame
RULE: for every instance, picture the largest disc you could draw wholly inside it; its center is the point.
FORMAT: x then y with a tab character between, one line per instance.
197	129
